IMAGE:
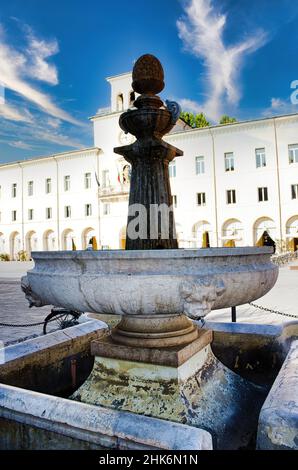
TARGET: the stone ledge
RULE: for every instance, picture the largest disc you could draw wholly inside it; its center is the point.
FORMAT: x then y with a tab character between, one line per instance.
173	357
88	426
278	422
37	350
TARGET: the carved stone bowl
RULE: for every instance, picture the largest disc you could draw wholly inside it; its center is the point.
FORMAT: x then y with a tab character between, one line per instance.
144	123
151	282
155	291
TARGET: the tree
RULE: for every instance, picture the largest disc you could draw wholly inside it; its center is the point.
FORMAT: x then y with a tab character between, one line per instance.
225	119
194	120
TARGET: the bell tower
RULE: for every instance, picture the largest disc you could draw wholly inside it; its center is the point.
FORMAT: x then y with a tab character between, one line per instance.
122	94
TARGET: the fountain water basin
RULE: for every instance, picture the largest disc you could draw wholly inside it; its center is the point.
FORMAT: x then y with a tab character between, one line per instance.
151	289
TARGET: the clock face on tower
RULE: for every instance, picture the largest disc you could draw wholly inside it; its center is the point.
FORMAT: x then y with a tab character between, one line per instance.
125	139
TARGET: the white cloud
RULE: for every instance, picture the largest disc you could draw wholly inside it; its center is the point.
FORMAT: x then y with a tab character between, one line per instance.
15	114
202	31
15	66
20	144
52	122
279	106
37	52
190	105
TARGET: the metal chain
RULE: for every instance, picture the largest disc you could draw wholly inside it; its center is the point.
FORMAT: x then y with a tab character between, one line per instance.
30	324
273	311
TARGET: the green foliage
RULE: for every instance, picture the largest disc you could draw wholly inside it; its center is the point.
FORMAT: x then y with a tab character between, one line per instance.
194	120
225	119
22	256
4	257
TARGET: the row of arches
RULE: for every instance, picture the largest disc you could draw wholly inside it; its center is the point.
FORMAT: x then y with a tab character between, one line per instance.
233	229
49	241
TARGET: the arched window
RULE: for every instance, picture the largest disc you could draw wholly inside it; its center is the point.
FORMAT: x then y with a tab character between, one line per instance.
120	102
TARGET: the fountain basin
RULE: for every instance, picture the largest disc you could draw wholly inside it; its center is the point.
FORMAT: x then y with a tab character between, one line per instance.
146	122
150	282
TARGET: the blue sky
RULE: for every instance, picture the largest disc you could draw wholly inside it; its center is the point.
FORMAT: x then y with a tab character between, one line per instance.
219	56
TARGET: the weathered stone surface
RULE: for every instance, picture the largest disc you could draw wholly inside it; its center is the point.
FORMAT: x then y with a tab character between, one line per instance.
278	422
30	420
152	282
201	392
44	363
174	356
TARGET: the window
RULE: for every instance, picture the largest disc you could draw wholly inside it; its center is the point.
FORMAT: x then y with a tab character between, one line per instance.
30	188
174	200
172	169
48	213
87	180
260	158
231	196
88	210
66	183
48	185
13	216
67	212
120	102
263	194
105	179
293	153
294	191
229	161
30	214
106	209
14	190
201	199
200	165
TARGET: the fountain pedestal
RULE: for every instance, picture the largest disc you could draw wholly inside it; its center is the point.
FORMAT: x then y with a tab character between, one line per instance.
184	383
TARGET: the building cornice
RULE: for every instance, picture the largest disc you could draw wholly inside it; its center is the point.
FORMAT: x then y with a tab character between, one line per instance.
56	156
236	126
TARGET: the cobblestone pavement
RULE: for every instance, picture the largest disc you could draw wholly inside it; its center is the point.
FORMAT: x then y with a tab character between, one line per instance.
14	309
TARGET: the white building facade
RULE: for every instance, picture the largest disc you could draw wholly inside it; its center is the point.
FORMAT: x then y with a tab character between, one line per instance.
234	181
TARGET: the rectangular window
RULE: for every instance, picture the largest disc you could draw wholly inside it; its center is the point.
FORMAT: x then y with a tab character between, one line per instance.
260	158
88	210
13	216
172	169
106	209
200	165
229	161
67	183
231	196
14	190
30	214
87	180
201	199
293	153
294	191
48	213
174	200
67	212
263	194
48	185
30	188
105	179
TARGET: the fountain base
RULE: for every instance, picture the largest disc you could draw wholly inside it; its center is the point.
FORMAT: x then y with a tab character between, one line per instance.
185	383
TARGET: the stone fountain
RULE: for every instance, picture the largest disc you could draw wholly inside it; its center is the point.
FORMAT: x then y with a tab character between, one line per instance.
157	361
